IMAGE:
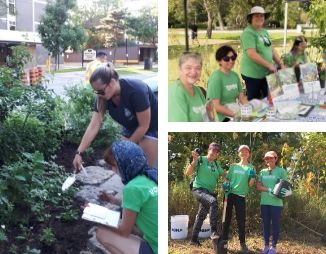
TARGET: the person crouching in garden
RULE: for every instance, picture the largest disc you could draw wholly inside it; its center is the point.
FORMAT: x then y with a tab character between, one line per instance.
131	103
224	86
139	201
207	170
270	205
238	179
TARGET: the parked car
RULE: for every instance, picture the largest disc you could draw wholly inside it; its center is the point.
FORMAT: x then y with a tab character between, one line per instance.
152	82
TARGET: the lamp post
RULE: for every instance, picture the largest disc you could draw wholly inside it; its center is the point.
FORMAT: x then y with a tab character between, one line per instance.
126	37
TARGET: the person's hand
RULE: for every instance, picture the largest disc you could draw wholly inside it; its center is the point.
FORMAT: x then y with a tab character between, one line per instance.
226	187
195	156
272	68
285	192
77	162
251	174
109	198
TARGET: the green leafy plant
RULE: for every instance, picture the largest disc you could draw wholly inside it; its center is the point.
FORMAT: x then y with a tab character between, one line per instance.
78	115
47	236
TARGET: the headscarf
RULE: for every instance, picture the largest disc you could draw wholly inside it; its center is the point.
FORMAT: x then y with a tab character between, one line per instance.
132	162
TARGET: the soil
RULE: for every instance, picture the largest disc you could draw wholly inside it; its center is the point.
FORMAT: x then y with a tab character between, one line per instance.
70	237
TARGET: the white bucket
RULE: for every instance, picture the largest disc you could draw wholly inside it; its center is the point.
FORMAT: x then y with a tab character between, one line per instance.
205	230
179	226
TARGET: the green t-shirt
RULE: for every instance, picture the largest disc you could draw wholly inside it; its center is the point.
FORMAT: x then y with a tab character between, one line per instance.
259	40
141	196
239	178
291	59
183	107
207	174
225	87
269	181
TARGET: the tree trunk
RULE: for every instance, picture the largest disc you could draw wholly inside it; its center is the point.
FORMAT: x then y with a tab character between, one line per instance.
209	20
220	20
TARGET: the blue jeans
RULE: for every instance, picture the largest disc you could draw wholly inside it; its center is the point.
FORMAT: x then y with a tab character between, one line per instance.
271	214
207	203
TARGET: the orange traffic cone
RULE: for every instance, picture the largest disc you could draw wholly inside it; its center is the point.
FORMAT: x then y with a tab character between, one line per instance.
39	72
33	76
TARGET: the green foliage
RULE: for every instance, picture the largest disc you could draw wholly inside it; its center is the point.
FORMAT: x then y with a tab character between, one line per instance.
3	236
28	186
78	115
20	55
47	236
69	214
143	27
31	119
56	32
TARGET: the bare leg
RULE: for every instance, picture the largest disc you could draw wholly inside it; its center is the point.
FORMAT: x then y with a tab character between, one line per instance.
150	147
118	244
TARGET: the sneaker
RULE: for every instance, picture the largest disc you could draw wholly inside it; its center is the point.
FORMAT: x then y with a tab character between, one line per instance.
214	235
244	249
196	243
272	250
266	250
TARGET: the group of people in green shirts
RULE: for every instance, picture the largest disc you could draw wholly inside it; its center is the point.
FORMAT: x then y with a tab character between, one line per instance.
240	176
187	102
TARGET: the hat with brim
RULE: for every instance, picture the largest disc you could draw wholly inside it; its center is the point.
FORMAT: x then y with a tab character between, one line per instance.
270	154
243	147
258	9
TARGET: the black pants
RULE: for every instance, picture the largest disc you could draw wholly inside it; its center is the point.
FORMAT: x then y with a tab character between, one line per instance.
207	203
256	88
240	211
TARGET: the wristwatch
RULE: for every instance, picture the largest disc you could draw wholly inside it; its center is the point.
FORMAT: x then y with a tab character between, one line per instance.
79	153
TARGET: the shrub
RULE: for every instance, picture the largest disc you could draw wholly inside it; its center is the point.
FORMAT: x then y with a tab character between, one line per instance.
78	115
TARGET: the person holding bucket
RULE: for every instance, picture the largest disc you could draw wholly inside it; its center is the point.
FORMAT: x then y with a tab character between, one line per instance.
238	179
139	201
207	170
270	205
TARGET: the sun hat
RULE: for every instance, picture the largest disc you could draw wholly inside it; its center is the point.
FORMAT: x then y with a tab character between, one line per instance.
214	146
258	9
270	154
243	146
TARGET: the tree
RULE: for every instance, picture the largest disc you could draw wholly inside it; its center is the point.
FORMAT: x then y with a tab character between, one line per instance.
57	33
143	27
112	28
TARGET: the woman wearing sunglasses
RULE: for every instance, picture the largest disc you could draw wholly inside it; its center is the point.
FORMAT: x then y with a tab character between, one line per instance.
270	205
131	103
186	100
258	54
224	86
139	201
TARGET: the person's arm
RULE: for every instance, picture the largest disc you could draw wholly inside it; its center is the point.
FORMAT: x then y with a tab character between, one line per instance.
261	187
191	167
127	223
277	58
243	98
252	54
222	109
144	119
251	182
89	135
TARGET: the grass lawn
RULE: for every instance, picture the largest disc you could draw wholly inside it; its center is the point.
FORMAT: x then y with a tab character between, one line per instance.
208	47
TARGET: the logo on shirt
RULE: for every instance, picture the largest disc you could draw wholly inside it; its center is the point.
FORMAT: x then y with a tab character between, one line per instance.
268	177
153	191
199	109
231	87
128	114
240	172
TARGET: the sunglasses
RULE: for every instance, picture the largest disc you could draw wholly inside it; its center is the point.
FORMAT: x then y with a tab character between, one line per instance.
100	92
228	58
